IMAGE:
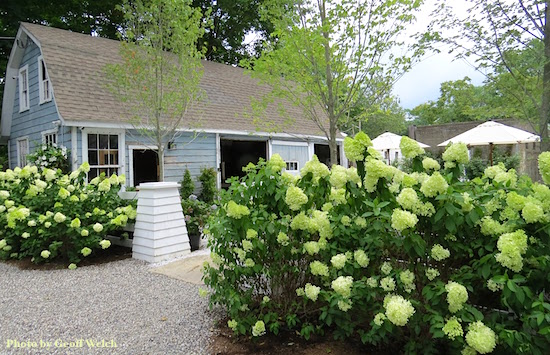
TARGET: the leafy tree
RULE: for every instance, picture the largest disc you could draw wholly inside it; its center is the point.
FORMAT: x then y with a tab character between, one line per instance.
495	32
158	79
375	119
329	54
229	21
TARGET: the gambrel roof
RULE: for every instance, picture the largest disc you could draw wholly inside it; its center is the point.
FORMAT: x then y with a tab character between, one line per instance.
76	66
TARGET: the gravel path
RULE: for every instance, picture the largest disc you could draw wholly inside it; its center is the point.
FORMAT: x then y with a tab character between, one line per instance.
120	303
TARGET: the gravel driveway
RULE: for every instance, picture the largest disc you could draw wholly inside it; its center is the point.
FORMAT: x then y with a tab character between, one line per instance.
119	304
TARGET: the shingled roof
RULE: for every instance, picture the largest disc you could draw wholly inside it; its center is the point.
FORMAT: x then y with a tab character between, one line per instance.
76	65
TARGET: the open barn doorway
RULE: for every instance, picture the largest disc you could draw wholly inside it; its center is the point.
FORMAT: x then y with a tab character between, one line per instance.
145	167
236	154
323	153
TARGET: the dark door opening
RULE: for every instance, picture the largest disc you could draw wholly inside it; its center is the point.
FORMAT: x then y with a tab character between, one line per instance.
323	153
237	154
146	166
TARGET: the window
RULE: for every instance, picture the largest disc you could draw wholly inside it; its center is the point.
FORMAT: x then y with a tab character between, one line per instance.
291	166
49	138
24	88
103	154
43	82
22	151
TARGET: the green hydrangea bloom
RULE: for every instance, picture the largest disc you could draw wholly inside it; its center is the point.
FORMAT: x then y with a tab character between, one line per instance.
75	223
401	220
439	253
311	247
249	262
86	251
363	139
508	178
361	222
398	310
430	164
376	169
337	196
232	324
456	153
247	245
338	176
410	148
361	258
72	266
481	338
235	210
318	169
386	268
387	284
379	319
544	167
312	291
344	305
282	239
44	254
338	261
452	328
373	153
432	273
354	150
434	185
258	329
251	234
318	268
276	163
407	279
457	295
300	222
515	201
493	286
342	285
295	198
372	282
104	244
345	220
533	212
320	223
59	217
408	198
511	247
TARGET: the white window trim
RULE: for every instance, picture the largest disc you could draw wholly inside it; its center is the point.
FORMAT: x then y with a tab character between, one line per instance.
42	64
121	146
291	162
51	131
19	162
131	149
24	105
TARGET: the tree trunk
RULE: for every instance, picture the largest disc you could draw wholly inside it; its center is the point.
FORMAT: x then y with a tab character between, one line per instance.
545	105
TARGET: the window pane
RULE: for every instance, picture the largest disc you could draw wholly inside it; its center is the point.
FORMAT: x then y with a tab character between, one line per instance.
103	157
92	174
92	141
103	141
92	157
113	142
113	157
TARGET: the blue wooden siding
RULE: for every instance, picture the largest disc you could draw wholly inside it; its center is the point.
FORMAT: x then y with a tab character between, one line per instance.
39	117
292	153
191	152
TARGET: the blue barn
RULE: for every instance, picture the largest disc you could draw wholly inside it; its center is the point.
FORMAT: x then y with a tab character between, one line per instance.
55	93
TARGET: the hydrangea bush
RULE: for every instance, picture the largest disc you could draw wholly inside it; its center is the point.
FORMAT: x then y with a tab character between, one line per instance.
45	214
426	260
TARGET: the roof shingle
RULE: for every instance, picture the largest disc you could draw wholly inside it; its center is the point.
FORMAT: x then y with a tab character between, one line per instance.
76	65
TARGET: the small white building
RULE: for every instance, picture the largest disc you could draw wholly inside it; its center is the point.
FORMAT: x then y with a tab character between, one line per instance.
388	145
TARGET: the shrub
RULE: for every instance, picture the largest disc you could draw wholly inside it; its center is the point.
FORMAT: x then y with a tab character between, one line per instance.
46	215
421	260
52	157
196	214
187	185
207	179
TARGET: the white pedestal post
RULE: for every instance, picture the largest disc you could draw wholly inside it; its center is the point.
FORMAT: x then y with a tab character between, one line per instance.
160	233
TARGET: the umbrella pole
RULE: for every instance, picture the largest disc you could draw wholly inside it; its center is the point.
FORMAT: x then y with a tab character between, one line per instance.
491	153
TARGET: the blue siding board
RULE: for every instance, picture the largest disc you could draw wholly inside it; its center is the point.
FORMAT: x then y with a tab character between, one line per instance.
38	117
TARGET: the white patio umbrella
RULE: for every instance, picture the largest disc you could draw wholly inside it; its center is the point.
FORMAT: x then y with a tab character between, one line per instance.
491	133
390	141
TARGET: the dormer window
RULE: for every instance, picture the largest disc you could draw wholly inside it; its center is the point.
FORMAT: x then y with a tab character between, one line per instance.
43	82
24	88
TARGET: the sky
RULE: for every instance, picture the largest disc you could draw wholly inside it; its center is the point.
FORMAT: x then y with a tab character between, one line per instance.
423	81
